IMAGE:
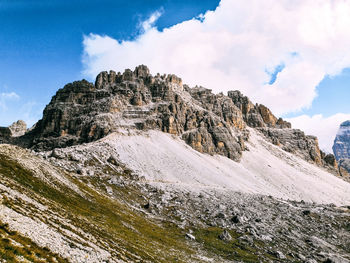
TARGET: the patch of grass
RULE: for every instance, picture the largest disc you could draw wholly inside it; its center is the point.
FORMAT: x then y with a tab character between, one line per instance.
231	250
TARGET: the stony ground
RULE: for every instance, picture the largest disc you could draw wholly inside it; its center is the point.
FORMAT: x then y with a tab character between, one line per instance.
57	209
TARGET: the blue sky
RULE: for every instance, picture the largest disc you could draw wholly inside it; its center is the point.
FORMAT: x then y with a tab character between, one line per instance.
41	42
41	49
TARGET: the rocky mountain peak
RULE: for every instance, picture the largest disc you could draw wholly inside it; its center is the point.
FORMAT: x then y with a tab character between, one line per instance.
211	123
341	146
16	129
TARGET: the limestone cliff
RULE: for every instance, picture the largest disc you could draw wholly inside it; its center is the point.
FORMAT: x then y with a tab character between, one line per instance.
210	123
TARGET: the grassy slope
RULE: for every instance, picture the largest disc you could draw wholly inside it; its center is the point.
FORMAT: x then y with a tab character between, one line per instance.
128	235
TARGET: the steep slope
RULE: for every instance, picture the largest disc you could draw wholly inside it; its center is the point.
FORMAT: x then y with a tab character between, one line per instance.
68	220
160	158
82	204
141	168
210	123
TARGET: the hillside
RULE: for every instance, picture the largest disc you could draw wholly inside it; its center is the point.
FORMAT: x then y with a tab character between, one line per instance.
142	168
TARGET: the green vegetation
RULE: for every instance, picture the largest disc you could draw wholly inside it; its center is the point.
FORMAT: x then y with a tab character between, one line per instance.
126	233
107	219
231	250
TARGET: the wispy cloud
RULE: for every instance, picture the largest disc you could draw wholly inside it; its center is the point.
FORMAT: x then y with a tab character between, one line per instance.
7	97
238	46
148	23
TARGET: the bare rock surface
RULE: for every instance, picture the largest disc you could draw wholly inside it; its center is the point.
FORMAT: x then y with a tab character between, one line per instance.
142	168
341	148
18	128
210	123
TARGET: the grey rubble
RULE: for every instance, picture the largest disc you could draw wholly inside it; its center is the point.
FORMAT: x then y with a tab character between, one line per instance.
210	123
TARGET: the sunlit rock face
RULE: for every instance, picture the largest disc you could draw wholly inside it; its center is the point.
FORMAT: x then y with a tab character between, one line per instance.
210	123
83	112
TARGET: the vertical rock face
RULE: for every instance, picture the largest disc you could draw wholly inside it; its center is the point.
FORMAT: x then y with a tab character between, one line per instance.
341	146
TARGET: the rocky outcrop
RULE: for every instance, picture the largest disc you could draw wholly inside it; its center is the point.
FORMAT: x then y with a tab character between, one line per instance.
295	141
344	168
84	112
9	134
18	128
210	123
306	146
256	115
341	148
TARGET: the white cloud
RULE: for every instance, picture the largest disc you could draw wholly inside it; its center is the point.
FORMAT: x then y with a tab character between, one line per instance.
5	97
147	24
235	46
325	128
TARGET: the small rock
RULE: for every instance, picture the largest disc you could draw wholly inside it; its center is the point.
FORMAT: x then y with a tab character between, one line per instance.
266	238
190	236
277	254
221	215
301	257
235	219
147	206
306	212
57	154
280	255
225	236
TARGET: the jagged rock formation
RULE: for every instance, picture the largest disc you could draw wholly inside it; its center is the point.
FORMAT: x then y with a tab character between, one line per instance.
256	115
141	194
280	133
210	123
295	141
18	128
344	167
341	148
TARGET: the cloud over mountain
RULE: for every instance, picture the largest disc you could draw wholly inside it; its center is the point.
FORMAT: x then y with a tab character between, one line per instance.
325	128
276	52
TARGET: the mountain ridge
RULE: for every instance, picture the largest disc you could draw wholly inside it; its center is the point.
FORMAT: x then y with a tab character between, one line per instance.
141	168
210	123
